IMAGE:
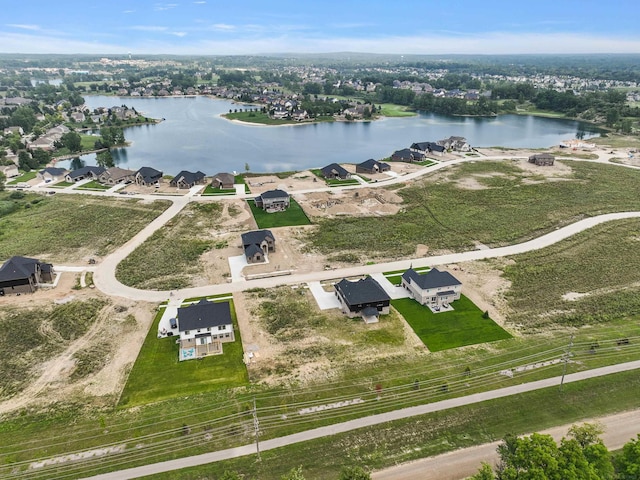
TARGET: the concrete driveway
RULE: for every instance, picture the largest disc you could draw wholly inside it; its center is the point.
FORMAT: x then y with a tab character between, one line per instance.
325	300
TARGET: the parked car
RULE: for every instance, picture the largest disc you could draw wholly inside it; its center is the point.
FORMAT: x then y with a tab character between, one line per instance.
173	323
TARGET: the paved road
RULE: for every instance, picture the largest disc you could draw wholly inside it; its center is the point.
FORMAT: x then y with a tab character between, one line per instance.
460	464
360	423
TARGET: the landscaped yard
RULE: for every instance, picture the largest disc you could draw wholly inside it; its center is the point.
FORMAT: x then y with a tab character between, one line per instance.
334	182
464	325
25	177
93	185
68	228
209	190
158	375
292	216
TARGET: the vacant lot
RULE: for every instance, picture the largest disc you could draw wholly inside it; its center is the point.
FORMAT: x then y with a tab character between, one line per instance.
190	250
158	375
70	228
493	203
441	331
590	278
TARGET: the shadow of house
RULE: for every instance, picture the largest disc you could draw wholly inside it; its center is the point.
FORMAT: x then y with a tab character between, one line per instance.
203	328
364	298
186	179
372	166
433	288
335	171
257	245
24	275
223	181
273	201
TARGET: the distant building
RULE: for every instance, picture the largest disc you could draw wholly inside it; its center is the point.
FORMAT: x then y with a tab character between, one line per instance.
257	245
335	171
273	200
542	159
433	288
372	166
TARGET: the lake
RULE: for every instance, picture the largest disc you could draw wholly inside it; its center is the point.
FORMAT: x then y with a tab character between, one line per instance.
195	137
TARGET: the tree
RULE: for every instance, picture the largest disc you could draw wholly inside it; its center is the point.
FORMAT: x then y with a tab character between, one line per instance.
485	473
23	117
628	463
247	167
41	156
105	159
25	162
354	473
3	179
72	141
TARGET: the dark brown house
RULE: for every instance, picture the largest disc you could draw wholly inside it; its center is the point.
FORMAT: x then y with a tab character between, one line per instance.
24	275
542	159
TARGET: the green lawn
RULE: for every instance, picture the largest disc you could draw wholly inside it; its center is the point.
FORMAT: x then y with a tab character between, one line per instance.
209	190
395	276
25	177
292	216
393	110
93	185
62	184
157	373
441	331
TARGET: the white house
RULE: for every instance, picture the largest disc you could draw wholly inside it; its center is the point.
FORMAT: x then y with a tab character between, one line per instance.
433	288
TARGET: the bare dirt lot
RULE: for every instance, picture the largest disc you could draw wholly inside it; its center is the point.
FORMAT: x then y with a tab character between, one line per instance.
304	180
360	202
118	333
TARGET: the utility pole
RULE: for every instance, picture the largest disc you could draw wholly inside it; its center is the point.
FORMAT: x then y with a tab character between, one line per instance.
567	355
256	428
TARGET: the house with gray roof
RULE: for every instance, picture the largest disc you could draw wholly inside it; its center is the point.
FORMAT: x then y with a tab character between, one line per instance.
363	298
372	166
148	176
186	179
24	275
273	201
335	171
116	175
51	174
434	288
83	173
203	328
407	155
428	148
257	245
542	159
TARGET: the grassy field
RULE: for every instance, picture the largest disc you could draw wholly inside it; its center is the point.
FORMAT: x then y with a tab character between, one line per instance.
465	325
159	375
590	263
401	441
292	216
66	228
38	334
167	259
62	184
393	110
617	141
209	190
446	216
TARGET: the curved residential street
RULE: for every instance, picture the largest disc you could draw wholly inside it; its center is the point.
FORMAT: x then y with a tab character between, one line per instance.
376	420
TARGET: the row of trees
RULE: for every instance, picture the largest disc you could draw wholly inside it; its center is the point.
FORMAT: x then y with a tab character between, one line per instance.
580	456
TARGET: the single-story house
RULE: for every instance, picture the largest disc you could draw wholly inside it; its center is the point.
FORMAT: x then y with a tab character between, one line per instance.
24	275
223	181
273	200
364	297
433	288
542	159
186	179
407	155
203	328
335	171
257	245
51	174
148	176
10	171
115	175
44	143
372	166
428	148
84	173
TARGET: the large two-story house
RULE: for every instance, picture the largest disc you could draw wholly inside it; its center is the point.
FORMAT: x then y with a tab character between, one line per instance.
433	288
203	328
364	298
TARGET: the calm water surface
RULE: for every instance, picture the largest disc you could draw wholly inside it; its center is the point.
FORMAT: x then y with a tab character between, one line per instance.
195	137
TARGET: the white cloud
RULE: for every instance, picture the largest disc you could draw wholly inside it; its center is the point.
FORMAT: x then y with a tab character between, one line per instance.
223	26
164	6
178	34
148	28
23	26
200	2
129	11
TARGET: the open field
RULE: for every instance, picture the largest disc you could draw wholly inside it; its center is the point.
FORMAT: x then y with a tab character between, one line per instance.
493	203
159	375
291	217
393	110
617	141
591	278
381	446
70	228
465	325
173	256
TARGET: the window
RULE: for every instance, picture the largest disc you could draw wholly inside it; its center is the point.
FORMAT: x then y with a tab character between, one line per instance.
208	329
186	332
226	335
222	327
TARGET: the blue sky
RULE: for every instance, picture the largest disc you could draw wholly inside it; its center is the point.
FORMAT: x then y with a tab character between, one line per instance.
219	27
